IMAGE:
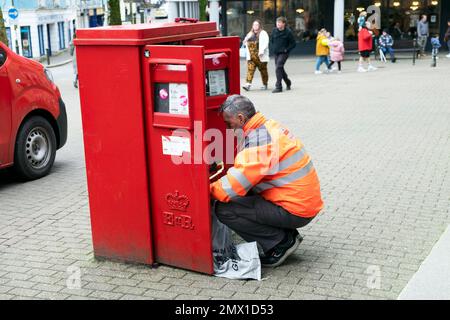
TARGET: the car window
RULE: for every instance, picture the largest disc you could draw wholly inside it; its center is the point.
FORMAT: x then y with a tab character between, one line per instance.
2	56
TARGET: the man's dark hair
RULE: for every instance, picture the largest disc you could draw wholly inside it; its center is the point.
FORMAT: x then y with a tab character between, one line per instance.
236	104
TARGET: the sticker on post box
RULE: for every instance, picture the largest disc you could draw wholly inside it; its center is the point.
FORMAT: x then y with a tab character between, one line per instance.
178	98
175	146
172	98
217	83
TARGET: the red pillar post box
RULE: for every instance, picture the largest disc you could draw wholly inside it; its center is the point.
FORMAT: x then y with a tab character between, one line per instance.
139	86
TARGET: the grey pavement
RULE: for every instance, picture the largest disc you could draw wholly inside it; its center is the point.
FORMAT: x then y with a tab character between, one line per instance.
380	142
432	280
57	59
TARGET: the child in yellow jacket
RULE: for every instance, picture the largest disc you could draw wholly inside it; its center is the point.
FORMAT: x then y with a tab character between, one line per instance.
322	51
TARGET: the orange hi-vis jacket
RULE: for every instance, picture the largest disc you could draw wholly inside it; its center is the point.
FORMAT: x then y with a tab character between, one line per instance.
273	163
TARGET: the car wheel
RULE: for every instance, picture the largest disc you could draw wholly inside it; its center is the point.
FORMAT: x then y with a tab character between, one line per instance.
35	149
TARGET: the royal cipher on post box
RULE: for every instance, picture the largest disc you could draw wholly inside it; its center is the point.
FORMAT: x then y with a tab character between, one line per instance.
139	86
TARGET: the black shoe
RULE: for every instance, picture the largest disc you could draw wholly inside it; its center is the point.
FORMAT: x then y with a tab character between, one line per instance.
276	256
288	85
296	234
277	90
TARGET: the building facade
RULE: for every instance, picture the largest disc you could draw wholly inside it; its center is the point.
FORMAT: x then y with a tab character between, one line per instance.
182	8
90	13
41	25
48	25
306	17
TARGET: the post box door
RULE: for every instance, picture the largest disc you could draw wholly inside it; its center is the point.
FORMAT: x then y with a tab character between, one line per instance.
228	46
179	179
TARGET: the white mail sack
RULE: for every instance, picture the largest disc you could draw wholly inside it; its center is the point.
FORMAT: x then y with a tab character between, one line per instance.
231	261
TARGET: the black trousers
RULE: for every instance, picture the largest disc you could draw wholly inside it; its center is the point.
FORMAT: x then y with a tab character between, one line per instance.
256	219
280	61
333	62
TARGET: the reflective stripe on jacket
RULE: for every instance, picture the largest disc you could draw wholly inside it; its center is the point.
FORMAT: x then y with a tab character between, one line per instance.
274	164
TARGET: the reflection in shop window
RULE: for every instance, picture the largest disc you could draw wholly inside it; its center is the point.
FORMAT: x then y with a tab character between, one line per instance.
304	17
262	10
235	18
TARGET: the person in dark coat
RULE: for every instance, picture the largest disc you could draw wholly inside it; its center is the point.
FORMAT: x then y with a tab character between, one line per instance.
282	42
447	38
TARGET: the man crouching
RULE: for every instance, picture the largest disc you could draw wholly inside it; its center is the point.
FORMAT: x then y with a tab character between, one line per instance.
272	188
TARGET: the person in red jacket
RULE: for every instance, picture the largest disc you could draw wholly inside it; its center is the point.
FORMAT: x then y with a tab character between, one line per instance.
365	47
272	188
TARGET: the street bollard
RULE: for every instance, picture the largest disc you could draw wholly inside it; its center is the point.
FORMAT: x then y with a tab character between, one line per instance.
48	56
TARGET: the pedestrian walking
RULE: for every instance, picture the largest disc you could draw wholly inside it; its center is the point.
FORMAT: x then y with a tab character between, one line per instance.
257	47
423	32
435	44
74	62
322	51
282	42
447	38
337	53
365	47
386	43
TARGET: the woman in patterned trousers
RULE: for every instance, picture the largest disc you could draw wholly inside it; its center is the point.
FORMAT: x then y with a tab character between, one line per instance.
257	43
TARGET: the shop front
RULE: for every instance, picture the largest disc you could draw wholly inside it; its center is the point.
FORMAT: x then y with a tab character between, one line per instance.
400	17
306	17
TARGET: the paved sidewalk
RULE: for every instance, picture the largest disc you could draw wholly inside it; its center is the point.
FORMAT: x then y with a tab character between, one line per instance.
380	142
58	59
432	281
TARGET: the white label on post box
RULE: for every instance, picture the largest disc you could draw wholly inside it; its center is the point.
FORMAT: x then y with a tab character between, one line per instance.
175	146
176	67
217	82
178	98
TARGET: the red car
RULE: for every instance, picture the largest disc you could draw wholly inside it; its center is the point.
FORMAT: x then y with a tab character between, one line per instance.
33	120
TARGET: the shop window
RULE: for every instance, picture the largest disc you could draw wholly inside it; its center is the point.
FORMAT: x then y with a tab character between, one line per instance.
25	38
400	17
41	40
8	36
236	17
304	17
61	32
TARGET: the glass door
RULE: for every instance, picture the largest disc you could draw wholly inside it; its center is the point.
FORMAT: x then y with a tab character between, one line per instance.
25	37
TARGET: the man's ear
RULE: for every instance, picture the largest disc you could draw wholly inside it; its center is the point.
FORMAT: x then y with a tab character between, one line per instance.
242	118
